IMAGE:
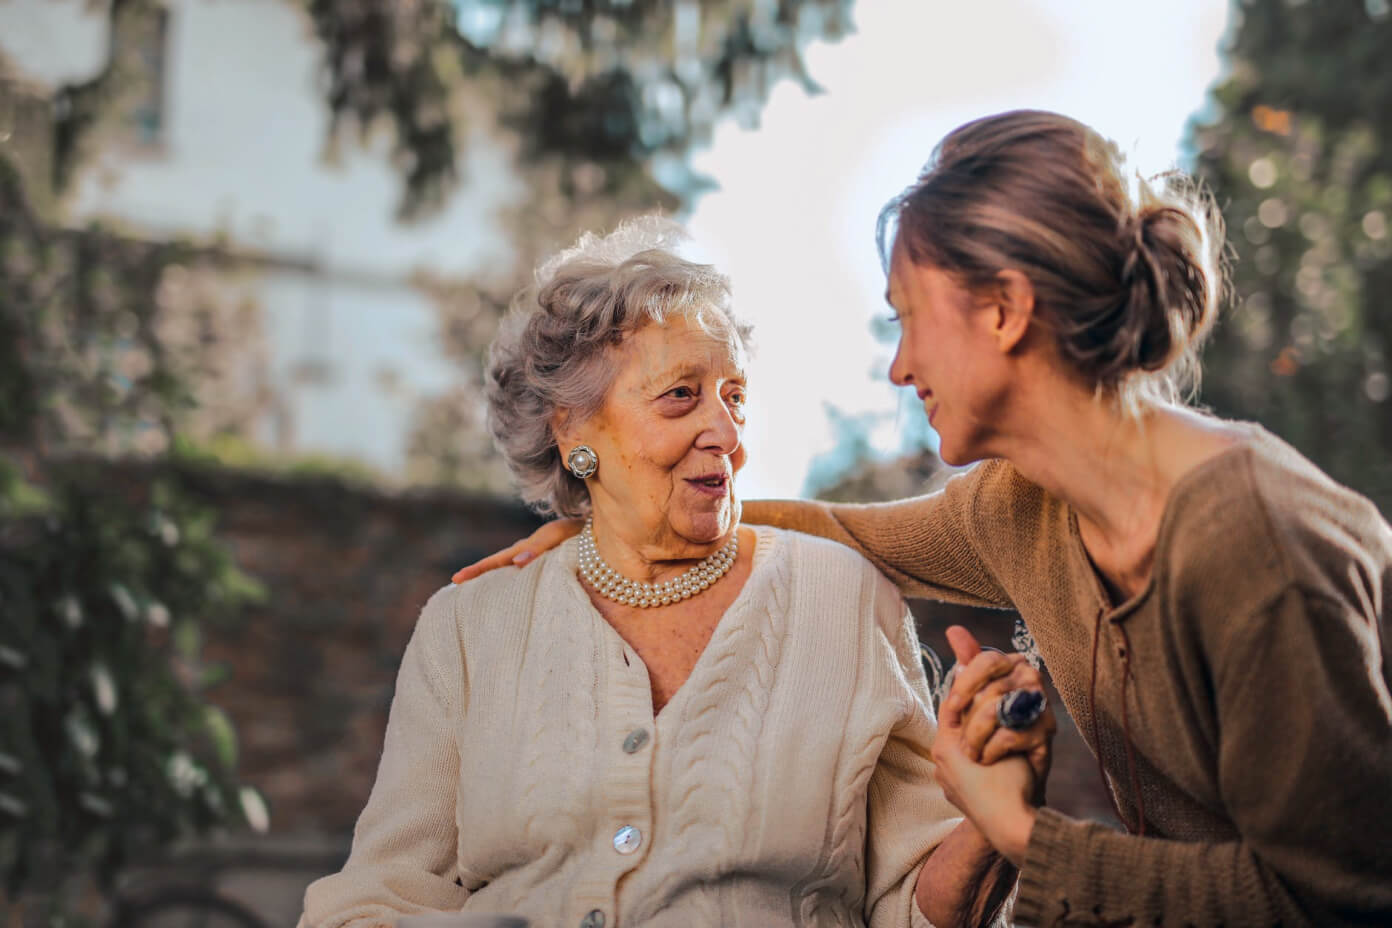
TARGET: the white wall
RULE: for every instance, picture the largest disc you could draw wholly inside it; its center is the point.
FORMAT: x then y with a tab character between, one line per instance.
362	332
242	158
52	42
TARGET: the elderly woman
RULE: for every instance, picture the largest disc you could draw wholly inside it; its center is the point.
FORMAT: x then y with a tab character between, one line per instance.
671	719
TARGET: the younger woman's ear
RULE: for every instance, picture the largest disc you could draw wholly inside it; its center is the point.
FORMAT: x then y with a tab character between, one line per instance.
1014	309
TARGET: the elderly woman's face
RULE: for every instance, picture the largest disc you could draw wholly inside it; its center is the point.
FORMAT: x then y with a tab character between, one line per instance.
669	439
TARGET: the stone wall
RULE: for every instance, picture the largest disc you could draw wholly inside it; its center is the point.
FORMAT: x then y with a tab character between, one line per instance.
347	571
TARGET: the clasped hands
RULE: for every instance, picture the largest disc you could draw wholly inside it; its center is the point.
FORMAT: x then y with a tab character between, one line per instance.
994	775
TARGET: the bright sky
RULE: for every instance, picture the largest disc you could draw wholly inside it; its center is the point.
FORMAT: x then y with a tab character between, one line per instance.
793	222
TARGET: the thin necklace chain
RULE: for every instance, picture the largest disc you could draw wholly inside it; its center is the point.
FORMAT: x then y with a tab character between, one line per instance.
610	584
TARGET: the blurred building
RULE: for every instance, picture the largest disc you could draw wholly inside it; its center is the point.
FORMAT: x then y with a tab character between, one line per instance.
221	137
314	318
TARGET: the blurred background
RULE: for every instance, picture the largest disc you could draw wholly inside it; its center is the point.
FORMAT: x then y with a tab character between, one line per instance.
252	252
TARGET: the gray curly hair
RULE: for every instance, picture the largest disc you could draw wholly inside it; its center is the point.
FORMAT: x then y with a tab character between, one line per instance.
552	351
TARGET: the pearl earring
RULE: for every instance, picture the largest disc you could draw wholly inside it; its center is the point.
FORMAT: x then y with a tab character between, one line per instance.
582	461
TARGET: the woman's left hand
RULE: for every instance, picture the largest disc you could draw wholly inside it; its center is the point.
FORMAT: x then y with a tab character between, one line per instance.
980	680
996	776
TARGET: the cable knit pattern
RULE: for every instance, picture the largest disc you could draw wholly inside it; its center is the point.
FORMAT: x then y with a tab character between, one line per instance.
811	894
1243	698
787	782
847	833
721	726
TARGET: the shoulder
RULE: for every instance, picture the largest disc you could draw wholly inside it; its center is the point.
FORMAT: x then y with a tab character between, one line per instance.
1259	520
817	561
1305	508
1006	515
993	493
988	501
507	583
1015	526
999	486
495	595
826	571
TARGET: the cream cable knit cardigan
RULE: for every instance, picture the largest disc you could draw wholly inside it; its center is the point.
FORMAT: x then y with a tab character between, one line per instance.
788	781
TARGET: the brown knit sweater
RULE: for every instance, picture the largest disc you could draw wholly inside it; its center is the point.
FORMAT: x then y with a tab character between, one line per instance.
1250	746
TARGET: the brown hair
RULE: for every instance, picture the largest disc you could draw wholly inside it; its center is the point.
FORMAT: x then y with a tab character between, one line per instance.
1127	273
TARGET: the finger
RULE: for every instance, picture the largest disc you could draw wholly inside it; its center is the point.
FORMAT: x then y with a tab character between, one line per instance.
1004	742
498	559
1040	760
963	644
980	720
1027	677
985	667
522	552
945	743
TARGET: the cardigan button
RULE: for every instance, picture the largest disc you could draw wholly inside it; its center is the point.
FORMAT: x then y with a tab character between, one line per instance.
595	919
635	740
627	839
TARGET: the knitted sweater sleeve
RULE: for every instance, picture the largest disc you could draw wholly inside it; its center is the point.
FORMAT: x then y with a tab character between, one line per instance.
1305	759
404	856
923	544
908	814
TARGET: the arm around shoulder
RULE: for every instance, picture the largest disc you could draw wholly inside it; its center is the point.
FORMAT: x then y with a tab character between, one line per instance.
924	544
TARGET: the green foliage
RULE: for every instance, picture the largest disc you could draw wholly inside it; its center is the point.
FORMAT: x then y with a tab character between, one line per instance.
108	750
84	366
238	453
1300	158
610	82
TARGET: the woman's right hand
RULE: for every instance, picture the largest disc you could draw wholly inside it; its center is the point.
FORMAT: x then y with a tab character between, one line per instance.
522	552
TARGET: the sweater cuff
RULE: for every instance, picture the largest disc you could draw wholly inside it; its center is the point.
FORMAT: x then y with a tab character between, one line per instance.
1050	846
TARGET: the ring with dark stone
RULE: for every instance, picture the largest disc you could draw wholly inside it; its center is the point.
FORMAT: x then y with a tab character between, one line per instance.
1019	709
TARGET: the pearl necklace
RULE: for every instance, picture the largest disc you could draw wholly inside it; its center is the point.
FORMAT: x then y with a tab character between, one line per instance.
610	584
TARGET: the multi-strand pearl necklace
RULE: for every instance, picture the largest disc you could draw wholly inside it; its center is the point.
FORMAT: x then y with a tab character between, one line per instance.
610	584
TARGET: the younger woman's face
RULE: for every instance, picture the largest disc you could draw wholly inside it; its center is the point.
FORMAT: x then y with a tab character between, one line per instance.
948	354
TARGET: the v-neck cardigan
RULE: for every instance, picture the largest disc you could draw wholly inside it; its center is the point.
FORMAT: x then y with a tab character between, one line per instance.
787	782
1241	702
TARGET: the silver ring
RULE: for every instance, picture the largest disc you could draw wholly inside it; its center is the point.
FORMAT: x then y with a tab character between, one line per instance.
1019	709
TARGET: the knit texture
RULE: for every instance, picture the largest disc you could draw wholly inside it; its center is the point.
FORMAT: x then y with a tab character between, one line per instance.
787	782
1256	694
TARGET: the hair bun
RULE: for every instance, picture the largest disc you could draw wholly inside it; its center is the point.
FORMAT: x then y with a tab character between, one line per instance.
1167	284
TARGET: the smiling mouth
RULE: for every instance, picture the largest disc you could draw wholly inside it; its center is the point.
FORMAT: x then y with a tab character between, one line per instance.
715	484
